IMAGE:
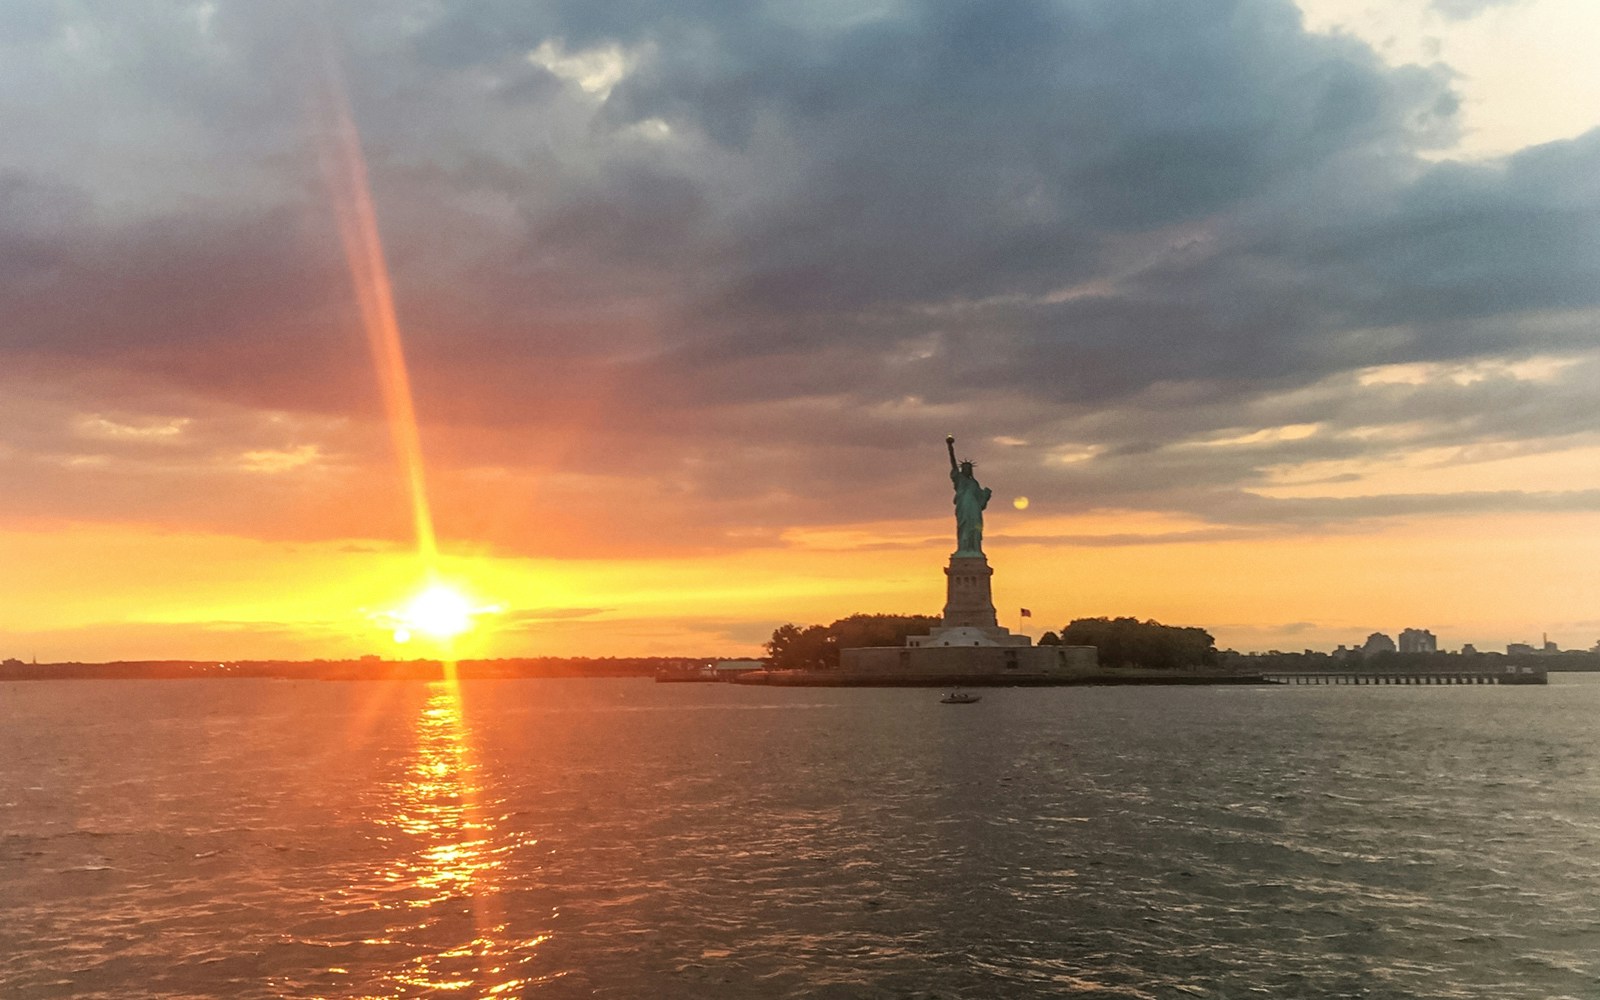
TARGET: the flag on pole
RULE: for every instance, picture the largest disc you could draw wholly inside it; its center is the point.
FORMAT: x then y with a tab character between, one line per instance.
1026	613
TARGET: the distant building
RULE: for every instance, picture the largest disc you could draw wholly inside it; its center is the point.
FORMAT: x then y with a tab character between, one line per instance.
1469	650
1377	642
726	669
1520	649
1418	640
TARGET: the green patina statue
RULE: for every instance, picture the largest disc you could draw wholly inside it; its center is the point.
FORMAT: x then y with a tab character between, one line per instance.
970	501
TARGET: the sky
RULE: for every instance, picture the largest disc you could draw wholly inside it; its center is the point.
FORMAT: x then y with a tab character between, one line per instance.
1284	319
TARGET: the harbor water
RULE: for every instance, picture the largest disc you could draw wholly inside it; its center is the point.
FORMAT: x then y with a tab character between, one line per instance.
618	838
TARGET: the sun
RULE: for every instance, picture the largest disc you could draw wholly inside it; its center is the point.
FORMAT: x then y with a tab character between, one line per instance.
439	612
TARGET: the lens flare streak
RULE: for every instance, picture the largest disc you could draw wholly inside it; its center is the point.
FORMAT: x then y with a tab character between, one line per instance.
345	169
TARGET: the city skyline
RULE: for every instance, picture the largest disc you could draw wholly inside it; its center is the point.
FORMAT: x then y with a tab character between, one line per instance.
1274	319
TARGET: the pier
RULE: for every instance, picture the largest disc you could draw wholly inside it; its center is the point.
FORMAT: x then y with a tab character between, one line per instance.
1508	674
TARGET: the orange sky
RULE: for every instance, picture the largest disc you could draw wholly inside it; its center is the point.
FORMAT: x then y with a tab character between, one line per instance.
1297	342
182	595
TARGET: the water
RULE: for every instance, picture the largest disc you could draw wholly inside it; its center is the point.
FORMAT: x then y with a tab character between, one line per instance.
627	839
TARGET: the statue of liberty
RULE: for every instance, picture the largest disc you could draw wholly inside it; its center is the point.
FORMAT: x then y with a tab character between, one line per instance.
970	501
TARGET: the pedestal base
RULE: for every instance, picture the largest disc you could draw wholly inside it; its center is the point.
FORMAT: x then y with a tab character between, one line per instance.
967	599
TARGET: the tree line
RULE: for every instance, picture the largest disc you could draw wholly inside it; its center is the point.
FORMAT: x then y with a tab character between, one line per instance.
816	647
1129	642
1122	642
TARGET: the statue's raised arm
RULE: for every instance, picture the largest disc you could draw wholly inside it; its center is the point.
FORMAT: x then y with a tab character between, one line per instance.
970	500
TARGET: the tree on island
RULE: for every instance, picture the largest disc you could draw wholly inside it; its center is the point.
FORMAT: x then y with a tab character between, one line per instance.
1129	642
816	647
794	648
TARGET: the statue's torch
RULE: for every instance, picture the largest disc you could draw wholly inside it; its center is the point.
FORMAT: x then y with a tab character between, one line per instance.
950	444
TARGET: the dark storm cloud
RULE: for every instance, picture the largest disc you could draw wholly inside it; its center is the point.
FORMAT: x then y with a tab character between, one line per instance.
967	150
749	258
243	306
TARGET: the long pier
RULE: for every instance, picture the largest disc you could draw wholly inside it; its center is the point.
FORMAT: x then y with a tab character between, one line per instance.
1510	674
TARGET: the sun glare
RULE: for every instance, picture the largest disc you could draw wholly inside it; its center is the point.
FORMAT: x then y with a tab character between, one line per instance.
439	612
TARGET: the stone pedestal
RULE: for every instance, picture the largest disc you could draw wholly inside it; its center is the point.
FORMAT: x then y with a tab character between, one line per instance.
968	602
968	647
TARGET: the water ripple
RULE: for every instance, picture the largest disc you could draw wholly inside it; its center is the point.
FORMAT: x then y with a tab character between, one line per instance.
624	839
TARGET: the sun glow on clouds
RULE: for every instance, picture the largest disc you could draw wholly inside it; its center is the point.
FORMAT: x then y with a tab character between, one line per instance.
1266	435
96	426
1483	468
1071	454
1412	430
1542	368
595	70
280	459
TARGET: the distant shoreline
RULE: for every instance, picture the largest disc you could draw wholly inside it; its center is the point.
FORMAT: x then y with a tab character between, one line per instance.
533	668
348	670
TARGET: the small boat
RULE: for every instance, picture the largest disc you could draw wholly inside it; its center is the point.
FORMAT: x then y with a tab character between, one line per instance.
959	698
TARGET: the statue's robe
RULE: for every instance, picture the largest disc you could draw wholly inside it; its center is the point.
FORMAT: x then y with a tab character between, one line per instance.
970	501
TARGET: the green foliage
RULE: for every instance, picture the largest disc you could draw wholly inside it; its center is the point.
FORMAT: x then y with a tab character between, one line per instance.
1128	642
1049	639
816	647
794	648
880	630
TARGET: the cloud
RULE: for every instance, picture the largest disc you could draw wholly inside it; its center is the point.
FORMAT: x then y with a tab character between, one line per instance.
1461	10
677	278
537	617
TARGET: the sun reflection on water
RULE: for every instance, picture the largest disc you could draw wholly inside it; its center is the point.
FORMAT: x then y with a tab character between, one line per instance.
448	869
